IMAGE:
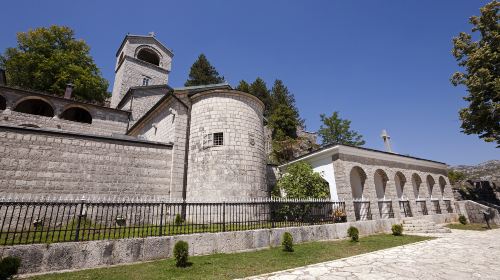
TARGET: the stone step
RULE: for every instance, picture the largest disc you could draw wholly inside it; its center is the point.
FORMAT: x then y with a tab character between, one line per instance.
423	226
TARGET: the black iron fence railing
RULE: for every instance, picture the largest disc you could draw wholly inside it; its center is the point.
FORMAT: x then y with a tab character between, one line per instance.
362	210
385	209
422	207
405	207
437	206
25	222
447	203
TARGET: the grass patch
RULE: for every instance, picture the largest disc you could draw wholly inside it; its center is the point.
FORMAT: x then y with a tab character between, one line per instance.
480	227
237	265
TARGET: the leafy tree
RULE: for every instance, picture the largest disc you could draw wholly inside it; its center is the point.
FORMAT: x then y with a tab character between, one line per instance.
300	181
243	86
48	58
335	130
259	89
481	60
456	176
284	116
203	73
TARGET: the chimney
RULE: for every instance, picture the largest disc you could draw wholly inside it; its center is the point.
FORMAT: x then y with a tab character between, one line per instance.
69	90
3	78
387	141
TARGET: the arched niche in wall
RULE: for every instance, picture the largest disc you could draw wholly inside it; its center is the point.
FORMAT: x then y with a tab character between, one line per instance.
442	185
430	184
400	181
380	179
416	181
76	114
357	180
35	106
149	56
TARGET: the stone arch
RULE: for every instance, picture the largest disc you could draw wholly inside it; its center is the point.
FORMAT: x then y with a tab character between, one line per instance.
430	184
416	182
76	114
148	54
380	179
400	181
357	180
442	185
35	106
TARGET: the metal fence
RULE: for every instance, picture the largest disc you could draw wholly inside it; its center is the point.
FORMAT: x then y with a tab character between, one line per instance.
26	222
422	207
437	206
362	210
404	205
447	203
385	209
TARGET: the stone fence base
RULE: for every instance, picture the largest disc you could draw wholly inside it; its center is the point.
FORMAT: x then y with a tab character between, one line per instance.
473	212
37	258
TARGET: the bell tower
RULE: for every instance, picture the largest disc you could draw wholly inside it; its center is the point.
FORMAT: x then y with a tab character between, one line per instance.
141	60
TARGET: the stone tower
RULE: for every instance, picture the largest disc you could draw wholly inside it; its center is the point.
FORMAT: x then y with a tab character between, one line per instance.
140	61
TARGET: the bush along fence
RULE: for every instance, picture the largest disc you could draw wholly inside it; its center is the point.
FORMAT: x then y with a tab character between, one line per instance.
48	221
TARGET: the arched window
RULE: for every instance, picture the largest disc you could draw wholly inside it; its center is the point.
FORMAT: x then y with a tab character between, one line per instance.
430	184
3	103
380	179
416	181
357	180
77	114
400	181
149	56
442	185
35	107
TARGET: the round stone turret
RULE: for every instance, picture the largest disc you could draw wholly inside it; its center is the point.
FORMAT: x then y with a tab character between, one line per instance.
227	158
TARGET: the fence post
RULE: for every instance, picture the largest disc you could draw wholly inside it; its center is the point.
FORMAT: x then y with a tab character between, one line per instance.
77	234
223	216
161	219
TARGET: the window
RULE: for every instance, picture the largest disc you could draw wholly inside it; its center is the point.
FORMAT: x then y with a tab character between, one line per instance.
145	81
149	56
218	139
35	107
77	114
213	139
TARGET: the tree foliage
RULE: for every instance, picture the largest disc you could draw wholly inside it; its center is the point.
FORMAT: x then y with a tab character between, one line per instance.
300	181
203	73
259	89
481	62
335	130
456	176
243	86
47	59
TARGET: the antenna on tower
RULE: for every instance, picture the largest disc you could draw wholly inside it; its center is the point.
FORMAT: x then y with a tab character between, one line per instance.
387	141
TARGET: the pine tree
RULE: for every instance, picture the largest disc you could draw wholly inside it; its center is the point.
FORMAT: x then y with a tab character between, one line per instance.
259	89
203	73
284	116
243	86
335	130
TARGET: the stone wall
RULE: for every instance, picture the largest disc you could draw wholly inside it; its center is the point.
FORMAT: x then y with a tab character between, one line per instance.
343	165
105	121
235	169
473	211
90	254
44	162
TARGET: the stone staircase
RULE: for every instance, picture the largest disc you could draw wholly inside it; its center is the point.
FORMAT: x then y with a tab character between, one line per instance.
423	226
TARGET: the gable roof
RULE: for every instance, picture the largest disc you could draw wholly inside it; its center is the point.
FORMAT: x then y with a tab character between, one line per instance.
167	50
132	89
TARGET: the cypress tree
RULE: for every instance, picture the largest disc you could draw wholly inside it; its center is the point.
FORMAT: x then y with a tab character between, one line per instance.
203	73
259	89
284	117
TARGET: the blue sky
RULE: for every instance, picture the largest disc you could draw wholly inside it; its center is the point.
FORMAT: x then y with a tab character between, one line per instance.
382	64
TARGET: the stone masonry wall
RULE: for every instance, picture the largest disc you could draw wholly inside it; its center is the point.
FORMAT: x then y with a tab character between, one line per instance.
343	167
473	211
237	169
169	125
42	163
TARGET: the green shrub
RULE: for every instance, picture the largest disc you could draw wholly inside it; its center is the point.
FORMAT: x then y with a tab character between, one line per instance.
397	229
9	267
181	253
287	242
353	233
178	220
462	219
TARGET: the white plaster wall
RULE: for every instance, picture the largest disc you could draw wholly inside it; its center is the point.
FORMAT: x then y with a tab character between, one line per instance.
325	168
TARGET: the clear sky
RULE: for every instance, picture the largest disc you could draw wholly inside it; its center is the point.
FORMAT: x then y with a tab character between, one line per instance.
382	64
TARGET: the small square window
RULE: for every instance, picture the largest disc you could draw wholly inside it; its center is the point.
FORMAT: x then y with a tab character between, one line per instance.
218	139
145	81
